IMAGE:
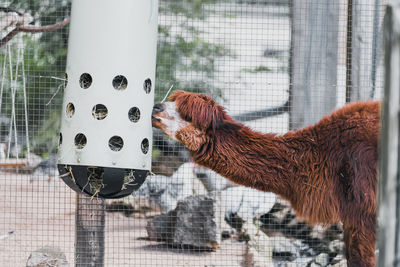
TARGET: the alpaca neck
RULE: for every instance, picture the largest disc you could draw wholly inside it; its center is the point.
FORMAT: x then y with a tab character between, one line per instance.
248	158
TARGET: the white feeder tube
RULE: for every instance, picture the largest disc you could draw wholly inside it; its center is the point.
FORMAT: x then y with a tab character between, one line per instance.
109	39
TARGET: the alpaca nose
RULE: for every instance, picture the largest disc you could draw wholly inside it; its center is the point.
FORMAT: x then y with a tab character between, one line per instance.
157	108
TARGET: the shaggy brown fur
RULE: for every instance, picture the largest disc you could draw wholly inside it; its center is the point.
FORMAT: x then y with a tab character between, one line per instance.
327	171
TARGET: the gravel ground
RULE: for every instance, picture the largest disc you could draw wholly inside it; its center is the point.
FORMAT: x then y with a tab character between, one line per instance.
41	212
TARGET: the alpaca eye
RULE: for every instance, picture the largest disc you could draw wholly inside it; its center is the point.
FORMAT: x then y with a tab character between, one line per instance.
186	118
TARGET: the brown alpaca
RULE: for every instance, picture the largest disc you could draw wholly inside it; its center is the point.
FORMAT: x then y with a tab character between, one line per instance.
327	171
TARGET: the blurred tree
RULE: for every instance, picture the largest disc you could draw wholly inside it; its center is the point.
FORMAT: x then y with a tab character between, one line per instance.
44	57
183	50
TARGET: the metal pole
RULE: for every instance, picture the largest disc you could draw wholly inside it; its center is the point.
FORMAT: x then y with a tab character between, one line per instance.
375	48
89	226
389	182
313	71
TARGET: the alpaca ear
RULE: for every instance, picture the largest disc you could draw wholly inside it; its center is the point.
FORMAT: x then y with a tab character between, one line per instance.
176	94
206	113
199	109
210	116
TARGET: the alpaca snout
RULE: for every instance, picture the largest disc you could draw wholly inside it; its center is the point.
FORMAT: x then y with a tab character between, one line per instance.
157	108
166	118
155	119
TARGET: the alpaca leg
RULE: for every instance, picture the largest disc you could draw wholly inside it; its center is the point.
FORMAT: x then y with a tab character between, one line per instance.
360	246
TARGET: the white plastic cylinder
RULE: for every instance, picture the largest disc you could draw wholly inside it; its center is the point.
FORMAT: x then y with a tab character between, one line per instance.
111	59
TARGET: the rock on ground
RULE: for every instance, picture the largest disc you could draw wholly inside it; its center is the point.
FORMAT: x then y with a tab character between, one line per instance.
47	256
283	249
322	259
165	191
194	222
259	246
211	180
246	202
161	227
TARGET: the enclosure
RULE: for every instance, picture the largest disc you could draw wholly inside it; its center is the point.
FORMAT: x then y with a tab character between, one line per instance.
274	65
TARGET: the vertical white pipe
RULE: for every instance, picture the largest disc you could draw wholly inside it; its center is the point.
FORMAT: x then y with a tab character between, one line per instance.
111	41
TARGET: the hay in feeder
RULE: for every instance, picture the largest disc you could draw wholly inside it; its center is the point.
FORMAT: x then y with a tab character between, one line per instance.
147	86
145	146
80	141
134	114
166	95
85	80
95	179
120	82
70	110
115	143
69	173
99	112
129	179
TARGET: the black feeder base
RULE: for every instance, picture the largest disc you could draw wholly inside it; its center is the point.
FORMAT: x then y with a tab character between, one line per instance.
102	182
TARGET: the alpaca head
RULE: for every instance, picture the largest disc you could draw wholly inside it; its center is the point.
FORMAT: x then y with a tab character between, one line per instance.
188	118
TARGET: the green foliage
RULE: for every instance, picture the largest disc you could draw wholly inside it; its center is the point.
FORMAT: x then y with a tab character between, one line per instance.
47	137
266	69
185	51
229	16
258	69
191	9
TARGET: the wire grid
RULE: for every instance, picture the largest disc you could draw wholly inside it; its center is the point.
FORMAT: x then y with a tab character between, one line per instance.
239	52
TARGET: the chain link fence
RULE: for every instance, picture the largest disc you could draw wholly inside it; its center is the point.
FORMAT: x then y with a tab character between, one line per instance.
274	65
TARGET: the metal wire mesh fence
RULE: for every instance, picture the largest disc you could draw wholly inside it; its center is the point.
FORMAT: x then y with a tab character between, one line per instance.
274	65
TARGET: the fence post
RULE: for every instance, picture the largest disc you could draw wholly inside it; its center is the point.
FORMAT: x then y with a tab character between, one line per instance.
89	226
362	17
389	182
313	63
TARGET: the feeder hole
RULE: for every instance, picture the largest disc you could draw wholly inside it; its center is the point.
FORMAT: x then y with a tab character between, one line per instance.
60	139
116	143
134	114
147	86
80	141
85	80
65	80
70	110
99	112
120	82
145	146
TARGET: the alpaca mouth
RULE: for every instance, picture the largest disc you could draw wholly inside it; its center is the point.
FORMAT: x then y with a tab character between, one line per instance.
155	121
157	109
155	118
